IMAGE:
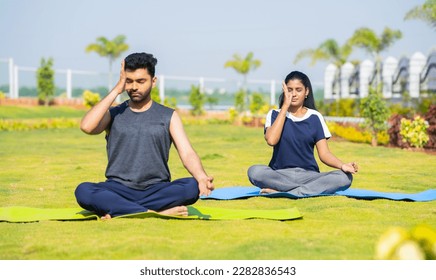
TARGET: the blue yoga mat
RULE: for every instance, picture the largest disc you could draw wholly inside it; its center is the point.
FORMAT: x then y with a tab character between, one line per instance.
238	192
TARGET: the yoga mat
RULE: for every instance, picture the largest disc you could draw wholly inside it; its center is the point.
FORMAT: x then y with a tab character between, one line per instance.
238	192
18	214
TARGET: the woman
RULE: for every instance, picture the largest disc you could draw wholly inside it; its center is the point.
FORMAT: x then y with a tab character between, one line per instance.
294	130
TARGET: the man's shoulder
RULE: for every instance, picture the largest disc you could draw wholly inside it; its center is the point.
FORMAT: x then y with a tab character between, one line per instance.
162	108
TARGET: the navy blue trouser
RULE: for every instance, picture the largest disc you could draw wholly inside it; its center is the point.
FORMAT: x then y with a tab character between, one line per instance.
116	199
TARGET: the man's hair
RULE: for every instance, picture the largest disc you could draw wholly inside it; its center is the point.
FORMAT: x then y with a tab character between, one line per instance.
140	60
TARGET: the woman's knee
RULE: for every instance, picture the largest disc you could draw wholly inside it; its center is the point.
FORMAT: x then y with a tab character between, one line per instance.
345	180
254	171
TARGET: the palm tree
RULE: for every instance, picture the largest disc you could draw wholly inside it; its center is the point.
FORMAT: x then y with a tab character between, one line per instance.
330	51
111	49
243	66
426	12
366	39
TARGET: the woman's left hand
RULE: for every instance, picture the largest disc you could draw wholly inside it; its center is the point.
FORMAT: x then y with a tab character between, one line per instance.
350	167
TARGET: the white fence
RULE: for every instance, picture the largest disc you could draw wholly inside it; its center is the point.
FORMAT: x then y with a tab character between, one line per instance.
16	76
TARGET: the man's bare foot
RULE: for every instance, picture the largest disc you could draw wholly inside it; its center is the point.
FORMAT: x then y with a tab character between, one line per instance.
106	217
267	191
175	211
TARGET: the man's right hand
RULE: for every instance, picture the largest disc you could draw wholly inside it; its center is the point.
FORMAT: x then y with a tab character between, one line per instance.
121	85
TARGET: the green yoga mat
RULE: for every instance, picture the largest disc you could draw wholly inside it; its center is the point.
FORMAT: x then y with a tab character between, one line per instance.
19	214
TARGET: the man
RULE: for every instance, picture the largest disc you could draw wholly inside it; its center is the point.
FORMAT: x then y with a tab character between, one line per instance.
139	133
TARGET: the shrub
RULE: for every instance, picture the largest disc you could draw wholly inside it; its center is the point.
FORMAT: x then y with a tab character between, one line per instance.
25	125
375	112
257	102
430	117
397	243
395	138
197	100
45	79
354	134
414	132
90	98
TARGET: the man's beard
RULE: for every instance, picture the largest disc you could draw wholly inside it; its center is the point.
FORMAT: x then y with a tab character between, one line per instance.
137	97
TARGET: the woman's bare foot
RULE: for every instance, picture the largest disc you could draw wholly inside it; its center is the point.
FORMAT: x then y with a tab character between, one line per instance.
106	217
267	191
175	211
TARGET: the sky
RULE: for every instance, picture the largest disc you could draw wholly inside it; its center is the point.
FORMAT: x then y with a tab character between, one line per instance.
196	37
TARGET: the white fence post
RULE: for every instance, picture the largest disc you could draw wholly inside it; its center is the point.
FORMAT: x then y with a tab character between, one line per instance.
15	83
162	88
416	64
273	92
11	77
69	84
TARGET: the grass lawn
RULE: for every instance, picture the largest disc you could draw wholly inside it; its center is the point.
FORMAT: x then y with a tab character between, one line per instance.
41	168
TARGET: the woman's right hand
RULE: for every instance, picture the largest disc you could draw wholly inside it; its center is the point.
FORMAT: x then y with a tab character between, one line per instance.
287	96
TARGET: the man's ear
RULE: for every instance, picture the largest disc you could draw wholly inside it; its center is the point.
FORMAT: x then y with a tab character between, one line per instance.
154	81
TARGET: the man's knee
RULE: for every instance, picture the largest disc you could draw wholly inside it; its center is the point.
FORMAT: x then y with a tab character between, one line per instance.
83	192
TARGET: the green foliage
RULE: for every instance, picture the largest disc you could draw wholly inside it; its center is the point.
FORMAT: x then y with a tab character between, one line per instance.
376	113
169	101
32	124
414	132
212	100
111	49
354	134
233	114
426	12
45	80
155	95
345	107
39	112
368	40
257	102
398	243
240	97
243	65
197	100
329	50
90	99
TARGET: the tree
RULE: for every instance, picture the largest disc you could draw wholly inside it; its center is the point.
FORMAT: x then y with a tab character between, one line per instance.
426	12
329	50
243	66
110	49
366	39
375	112
197	100
45	78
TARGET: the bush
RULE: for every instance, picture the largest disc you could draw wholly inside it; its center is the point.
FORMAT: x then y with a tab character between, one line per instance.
400	244
90	99
430	117
354	134
45	81
414	132
257	102
395	138
197	100
25	125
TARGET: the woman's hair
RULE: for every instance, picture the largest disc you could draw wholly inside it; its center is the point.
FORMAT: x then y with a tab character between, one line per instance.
141	60
309	102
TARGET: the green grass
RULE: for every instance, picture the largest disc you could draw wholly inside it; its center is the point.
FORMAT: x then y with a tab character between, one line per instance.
39	112
41	168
